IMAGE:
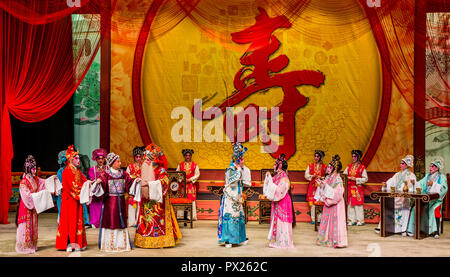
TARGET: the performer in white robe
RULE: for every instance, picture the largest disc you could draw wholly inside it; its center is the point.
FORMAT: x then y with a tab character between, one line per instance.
401	205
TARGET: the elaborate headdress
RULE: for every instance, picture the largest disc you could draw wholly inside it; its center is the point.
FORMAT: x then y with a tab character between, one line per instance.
438	162
281	161
138	150
336	163
111	158
70	152
97	153
186	151
30	162
357	153
409	160
238	151
155	154
320	153
62	159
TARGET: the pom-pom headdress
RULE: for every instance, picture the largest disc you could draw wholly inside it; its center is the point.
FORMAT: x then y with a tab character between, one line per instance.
30	163
336	163
70	152
155	154
281	162
62	159
238	151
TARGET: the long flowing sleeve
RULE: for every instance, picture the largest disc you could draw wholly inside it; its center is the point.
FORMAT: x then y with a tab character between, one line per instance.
281	190
422	184
364	179
391	181
337	197
25	195
91	173
444	187
231	180
308	176
247	176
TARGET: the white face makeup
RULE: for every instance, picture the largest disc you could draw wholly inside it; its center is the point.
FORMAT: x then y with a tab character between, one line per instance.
76	161
433	169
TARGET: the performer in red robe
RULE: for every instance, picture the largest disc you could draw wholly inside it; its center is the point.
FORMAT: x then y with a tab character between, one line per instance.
157	225
71	234
357	176
192	174
134	170
313	172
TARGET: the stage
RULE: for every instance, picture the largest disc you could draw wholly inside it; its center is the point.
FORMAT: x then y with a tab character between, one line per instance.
201	241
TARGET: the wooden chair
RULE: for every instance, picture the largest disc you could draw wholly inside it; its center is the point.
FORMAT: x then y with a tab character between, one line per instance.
178	195
265	205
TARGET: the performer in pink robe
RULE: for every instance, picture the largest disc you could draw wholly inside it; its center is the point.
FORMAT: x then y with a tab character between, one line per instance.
276	189
333	229
27	217
95	207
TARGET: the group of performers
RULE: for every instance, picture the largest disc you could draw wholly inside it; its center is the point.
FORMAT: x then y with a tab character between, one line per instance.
138	197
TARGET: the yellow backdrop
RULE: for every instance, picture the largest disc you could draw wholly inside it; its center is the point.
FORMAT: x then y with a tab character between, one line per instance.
340	116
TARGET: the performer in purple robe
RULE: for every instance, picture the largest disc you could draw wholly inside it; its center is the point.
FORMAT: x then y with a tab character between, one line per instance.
113	235
95	207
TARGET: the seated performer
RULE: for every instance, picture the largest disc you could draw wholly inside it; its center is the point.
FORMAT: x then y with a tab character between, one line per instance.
332	230
276	189
27	216
433	182
71	234
113	235
231	222
157	225
313	171
357	176
95	207
134	170
192	175
401	205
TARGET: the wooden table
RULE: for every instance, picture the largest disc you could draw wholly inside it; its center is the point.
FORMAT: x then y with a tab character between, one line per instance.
248	191
387	209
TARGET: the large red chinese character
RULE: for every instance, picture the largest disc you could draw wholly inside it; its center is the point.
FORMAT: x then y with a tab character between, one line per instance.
263	73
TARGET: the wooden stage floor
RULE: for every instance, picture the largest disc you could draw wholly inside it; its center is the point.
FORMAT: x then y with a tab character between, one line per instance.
201	241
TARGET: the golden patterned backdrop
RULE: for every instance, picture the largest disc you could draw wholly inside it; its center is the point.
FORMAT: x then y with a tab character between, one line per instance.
340	115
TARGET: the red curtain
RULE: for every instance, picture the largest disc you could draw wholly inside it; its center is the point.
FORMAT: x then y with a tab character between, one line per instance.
41	67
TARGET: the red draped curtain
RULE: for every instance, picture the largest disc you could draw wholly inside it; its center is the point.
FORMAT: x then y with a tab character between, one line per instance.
41	65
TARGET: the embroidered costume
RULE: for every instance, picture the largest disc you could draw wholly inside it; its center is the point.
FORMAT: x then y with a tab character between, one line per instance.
192	174
313	172
355	190
231	222
157	225
95	207
333	230
276	189
71	233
